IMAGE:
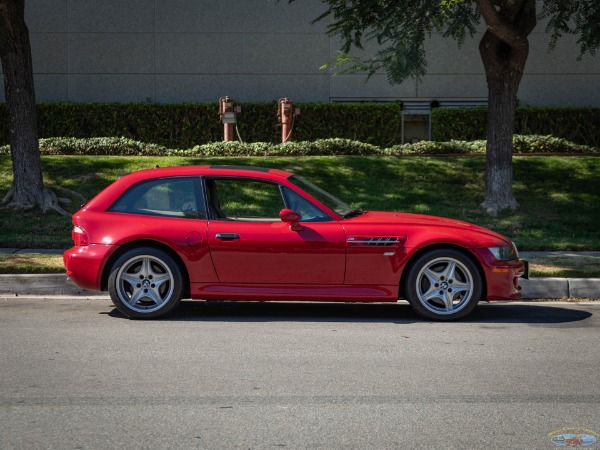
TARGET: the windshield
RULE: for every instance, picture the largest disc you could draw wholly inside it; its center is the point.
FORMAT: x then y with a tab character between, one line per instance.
324	197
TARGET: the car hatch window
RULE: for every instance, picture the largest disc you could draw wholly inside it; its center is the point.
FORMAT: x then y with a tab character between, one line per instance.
166	197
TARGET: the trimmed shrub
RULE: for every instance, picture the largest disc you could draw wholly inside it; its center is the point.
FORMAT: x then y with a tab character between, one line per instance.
129	147
578	125
548	144
463	124
438	148
186	125
97	146
521	145
302	148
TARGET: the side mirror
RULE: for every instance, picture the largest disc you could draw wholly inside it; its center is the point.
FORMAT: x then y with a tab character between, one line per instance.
292	217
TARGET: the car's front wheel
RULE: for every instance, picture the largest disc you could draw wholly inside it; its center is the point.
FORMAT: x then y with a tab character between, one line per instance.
145	283
443	284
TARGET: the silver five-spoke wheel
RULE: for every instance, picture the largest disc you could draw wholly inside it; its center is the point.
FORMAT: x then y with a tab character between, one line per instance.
145	283
443	284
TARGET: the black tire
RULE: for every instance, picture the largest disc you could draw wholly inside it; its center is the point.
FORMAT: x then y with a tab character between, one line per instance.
444	284
145	283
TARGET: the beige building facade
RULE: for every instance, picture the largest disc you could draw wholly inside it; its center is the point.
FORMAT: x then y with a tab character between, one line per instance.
258	50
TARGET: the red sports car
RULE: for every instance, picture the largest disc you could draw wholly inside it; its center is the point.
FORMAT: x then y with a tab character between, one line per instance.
156	236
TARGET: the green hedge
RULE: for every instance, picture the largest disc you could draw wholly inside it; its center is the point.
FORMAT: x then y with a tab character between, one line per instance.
130	147
186	125
579	125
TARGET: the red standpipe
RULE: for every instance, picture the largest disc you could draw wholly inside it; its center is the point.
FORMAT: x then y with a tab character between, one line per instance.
285	114
228	114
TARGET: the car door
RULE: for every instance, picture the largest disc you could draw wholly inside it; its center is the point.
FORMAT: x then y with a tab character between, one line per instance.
249	243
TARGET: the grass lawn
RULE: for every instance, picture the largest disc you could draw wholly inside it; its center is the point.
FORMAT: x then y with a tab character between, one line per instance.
565	267
31	263
559	196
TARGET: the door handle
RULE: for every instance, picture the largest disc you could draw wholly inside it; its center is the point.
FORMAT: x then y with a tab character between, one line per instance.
227	236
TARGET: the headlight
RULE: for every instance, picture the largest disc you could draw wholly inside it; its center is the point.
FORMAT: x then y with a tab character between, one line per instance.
505	253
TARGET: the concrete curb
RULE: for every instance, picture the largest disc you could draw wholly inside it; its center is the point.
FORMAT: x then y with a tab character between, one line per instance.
561	288
545	287
47	284
56	284
584	287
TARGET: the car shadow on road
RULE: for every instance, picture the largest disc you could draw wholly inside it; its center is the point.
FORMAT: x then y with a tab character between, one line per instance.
398	313
531	313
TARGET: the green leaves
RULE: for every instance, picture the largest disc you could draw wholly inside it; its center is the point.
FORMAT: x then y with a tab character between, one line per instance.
188	125
579	125
185	125
320	147
400	27
395	33
580	17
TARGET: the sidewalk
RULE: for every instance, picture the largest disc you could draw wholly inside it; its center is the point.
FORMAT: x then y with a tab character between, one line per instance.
550	288
526	255
28	251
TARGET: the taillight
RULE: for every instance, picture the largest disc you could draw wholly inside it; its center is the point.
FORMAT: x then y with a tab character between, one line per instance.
80	237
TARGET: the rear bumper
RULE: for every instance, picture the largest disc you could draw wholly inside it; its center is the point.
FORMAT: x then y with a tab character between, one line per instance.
84	265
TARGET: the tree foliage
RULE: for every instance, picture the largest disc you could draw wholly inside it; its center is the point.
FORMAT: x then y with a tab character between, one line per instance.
401	27
581	18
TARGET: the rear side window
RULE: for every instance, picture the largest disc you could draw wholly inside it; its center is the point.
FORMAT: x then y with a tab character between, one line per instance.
166	197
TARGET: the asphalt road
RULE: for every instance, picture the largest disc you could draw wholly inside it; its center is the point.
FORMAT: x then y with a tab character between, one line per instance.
75	374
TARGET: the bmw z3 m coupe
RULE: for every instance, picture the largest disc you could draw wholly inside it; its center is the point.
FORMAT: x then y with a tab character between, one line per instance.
159	235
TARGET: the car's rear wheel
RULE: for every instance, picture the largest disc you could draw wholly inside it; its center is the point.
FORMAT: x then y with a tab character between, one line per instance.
443	284
145	283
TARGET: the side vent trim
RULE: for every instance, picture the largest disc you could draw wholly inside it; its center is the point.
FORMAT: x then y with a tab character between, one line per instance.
368	241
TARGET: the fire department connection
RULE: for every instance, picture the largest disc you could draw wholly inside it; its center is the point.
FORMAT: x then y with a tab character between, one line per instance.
228	112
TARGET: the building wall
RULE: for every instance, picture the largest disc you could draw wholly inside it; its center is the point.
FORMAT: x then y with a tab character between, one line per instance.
255	50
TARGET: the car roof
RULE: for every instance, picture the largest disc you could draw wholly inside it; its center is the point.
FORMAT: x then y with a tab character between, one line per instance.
210	170
105	198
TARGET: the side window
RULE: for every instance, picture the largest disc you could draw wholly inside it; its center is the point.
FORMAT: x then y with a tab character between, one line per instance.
307	210
245	200
166	197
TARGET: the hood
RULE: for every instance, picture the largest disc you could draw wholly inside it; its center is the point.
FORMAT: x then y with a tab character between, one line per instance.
422	220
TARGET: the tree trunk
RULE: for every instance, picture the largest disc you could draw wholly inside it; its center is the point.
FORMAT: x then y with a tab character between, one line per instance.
503	72
504	49
27	191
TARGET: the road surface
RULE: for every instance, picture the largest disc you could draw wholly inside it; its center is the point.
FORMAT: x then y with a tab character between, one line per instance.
75	374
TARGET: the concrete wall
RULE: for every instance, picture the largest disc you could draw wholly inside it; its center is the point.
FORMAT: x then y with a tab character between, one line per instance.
254	50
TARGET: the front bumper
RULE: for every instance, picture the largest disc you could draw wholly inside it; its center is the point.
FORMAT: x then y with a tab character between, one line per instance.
502	277
84	265
503	280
